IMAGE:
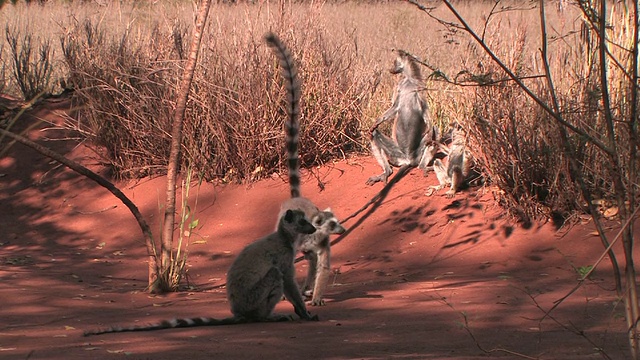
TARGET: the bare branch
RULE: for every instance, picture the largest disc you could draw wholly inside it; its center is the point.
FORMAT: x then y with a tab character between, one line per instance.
144	227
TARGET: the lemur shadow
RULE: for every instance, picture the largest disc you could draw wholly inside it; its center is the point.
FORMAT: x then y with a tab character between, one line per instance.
375	203
466	209
349	294
411	219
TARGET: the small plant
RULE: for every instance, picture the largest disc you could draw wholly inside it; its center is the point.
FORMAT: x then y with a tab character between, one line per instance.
177	269
584	270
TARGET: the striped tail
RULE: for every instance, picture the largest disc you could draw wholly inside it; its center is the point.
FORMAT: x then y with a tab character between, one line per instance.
169	324
292	83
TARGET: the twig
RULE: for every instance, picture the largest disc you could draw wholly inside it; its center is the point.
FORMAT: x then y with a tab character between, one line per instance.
513	76
593	268
476	80
475	340
146	230
574	330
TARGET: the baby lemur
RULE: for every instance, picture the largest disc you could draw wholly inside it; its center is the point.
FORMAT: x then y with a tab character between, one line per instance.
256	281
458	163
316	247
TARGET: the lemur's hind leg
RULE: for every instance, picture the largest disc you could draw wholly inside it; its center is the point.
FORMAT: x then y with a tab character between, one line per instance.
386	152
309	281
323	272
443	177
428	149
257	303
456	181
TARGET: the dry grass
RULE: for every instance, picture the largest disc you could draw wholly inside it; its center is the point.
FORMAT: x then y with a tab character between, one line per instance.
235	116
125	59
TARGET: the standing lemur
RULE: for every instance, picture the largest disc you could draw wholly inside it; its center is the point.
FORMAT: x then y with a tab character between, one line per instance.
316	246
413	140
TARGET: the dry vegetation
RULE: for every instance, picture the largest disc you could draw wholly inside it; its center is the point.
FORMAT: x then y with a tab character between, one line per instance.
566	145
124	60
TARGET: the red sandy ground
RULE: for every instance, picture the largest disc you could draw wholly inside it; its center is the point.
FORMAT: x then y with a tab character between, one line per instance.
418	278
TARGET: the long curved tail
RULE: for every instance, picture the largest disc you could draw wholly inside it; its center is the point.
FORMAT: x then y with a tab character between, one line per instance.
292	83
169	324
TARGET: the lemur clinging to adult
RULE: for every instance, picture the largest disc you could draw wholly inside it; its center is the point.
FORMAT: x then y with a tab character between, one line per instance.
457	166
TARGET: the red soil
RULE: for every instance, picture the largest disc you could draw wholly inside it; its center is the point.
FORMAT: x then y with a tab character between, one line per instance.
418	278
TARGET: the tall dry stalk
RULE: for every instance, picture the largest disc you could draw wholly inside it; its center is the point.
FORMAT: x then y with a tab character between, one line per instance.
163	283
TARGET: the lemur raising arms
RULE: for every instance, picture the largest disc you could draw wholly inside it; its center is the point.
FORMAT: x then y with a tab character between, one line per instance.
413	140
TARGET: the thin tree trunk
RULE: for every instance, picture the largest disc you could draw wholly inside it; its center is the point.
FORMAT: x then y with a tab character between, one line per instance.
176	143
631	190
575	170
622	194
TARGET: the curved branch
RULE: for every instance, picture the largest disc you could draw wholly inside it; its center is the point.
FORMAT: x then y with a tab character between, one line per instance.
144	227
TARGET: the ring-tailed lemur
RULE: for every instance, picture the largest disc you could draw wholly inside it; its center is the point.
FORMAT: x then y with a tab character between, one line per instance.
458	164
258	278
256	281
316	247
414	138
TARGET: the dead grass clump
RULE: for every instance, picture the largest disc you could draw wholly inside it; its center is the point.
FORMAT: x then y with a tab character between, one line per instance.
521	147
519	151
32	63
517	144
125	94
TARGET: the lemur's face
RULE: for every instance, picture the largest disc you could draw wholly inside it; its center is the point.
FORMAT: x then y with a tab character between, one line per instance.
327	223
398	65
